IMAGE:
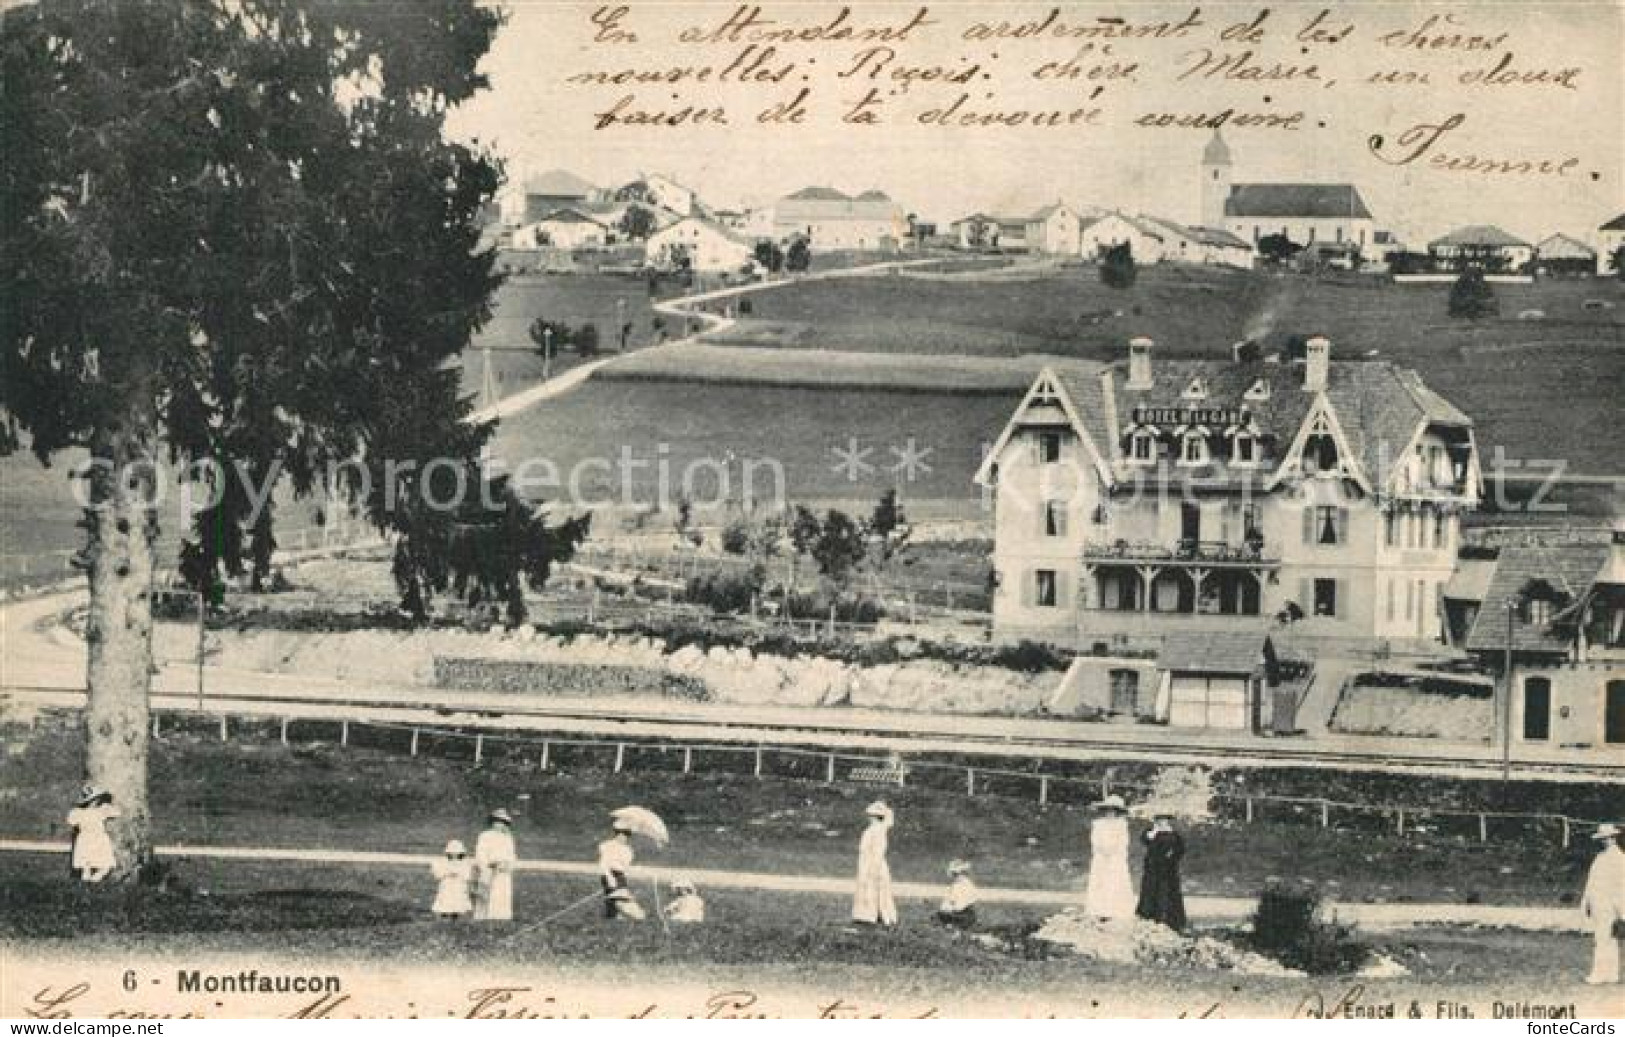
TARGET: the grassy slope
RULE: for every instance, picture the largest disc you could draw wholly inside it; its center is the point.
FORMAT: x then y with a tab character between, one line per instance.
256	792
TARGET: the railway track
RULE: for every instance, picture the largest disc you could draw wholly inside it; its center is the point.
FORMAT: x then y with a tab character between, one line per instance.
920	734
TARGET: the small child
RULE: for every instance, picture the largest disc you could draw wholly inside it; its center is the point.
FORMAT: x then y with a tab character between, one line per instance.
686	905
455	876
958	907
93	855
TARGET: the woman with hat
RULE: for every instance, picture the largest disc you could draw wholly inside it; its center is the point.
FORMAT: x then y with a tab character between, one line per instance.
453	875
1161	897
494	859
1110	894
1604	904
873	904
614	866
93	856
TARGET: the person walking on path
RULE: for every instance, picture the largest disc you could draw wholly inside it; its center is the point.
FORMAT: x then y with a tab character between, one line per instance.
454	876
494	860
614	868
1604	904
1162	899
1110	895
93	857
872	904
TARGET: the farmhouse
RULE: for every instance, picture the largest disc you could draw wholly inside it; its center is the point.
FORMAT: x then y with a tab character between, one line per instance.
1148	242
1483	246
1610	239
1561	254
1053	230
1305	213
706	246
1137	500
832	220
551	191
565	228
1562	605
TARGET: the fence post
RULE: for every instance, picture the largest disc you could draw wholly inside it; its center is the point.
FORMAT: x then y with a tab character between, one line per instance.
1249	802
1484	830
830	778
225	734
414	741
546	745
1566	832
1043	790
1399	820
620	756
479	747
344	732
1325	813
758	773
283	734
1105	785
970	782
688	759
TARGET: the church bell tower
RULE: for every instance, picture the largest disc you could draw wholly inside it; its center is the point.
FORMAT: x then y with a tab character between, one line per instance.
1215	180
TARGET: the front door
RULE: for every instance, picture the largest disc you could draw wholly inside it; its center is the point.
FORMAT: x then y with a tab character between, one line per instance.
1125	692
1190	522
1614	714
1537	709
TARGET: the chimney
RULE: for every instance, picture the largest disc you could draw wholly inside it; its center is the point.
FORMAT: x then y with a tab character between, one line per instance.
1317	363
1139	363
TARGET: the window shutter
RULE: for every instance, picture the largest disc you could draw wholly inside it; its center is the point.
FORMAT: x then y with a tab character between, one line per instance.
1342	525
1306	595
1029	587
1340	595
1063	589
1060	519
1309	525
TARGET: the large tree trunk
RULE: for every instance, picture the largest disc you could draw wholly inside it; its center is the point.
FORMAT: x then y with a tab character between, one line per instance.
122	526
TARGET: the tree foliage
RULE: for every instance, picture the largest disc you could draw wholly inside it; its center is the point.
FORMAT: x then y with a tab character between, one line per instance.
1117	266
769	255
232	231
637	223
798	257
1278	248
1472	296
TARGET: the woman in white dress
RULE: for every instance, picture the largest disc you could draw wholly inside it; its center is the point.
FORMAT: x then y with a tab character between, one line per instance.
453	875
873	903
494	858
1111	891
93	855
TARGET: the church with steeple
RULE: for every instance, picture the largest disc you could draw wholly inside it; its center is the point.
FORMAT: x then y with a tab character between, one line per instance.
1310	214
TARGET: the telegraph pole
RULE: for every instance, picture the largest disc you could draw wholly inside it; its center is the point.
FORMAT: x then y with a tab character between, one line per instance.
1506	699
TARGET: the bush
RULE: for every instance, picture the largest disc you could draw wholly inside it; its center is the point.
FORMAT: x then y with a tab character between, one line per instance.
1029	657
1287	926
1471	296
726	592
1117	269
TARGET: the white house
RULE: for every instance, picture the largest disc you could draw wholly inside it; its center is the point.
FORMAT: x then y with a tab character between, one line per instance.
1184	496
564	228
710	247
1148	242
831	220
1481	245
1054	230
1610	239
669	194
1561	254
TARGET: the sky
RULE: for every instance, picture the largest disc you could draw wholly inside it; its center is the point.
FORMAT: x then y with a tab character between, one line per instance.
537	121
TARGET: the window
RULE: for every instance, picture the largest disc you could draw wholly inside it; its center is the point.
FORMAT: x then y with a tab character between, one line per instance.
1196	390
1390	529
1049	447
1537	709
1193	448
1143	446
1259	390
1325	597
1440	530
1325	525
1044	588
1252	521
1538	612
1244	449
1054	518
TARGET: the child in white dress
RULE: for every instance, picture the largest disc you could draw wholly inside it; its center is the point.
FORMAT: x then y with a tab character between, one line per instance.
93	855
454	877
686	905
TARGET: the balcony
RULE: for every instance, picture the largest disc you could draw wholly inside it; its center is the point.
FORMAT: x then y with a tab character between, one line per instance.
1215	554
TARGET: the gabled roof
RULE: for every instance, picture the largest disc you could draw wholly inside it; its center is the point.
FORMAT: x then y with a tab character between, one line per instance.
1570	568
1471	580
1079	382
1296	201
1617	223
1238	652
558	183
1561	246
569	216
1478	235
1219	237
710	225
827	204
818	194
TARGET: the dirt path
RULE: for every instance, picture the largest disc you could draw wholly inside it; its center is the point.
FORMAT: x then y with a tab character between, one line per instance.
1204	908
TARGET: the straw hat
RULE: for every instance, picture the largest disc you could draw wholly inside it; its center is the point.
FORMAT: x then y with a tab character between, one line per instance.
90	794
500	815
682	885
1113	802
455	848
958	867
879	811
1606	831
620	825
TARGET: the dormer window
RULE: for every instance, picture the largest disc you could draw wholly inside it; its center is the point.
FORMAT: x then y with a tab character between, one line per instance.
1196	390
1142	446
1320	449
1193	445
1244	448
1259	390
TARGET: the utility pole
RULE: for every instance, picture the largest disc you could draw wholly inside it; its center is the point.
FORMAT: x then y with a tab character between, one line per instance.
202	612
1506	699
547	353
489	388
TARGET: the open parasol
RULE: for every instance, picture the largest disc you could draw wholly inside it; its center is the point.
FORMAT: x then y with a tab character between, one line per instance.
644	822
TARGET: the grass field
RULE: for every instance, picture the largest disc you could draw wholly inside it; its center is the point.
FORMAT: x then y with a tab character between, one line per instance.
827	369
255	791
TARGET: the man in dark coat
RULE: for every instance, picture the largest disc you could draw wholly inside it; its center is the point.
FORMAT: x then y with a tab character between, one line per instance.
1161	898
